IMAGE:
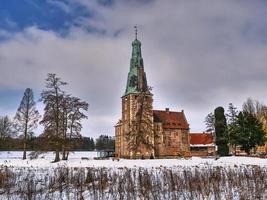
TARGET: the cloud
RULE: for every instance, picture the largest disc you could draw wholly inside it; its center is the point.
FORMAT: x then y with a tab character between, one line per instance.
196	56
60	4
89	63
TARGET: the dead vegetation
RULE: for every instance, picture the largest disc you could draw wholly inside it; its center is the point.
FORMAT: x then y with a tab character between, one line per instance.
208	182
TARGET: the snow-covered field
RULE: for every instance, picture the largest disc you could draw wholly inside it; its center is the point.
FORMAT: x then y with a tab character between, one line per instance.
83	177
75	160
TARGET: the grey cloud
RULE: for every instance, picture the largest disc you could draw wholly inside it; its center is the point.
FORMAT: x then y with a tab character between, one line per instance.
198	55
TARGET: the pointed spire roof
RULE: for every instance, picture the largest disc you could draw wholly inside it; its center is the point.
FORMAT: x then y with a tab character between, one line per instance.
136	77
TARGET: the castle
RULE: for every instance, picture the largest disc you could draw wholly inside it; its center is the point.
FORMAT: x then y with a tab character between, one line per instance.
162	133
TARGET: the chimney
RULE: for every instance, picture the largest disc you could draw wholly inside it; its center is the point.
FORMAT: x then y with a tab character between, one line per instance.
182	111
167	110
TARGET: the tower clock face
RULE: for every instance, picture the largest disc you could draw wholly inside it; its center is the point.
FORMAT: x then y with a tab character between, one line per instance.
133	81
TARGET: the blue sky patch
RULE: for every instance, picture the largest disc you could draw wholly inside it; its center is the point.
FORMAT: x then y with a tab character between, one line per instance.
47	15
10	98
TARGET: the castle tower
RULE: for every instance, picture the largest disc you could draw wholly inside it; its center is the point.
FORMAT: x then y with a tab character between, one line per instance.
137	97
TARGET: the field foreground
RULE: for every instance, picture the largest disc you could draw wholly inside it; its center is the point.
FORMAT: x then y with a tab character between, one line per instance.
13	159
196	178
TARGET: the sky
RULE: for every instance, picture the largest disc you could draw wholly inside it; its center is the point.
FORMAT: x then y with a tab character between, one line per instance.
197	54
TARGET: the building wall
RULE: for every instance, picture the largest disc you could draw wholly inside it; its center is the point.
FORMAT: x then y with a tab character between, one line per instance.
129	109
204	152
170	142
118	140
167	142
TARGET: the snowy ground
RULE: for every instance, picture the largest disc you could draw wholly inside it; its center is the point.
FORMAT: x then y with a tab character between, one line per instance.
160	179
75	160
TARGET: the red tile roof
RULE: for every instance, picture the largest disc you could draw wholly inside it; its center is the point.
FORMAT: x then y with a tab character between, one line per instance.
200	138
171	120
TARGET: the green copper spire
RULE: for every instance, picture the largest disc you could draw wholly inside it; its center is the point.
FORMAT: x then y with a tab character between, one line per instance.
136	77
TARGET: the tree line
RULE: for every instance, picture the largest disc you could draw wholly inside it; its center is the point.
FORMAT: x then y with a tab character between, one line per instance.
10	141
62	122
246	129
39	144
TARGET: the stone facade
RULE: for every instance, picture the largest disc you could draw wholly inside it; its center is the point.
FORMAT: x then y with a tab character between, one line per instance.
122	128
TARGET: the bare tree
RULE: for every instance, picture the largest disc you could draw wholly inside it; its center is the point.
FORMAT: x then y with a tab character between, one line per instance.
232	113
74	108
65	109
141	127
258	110
62	117
255	108
5	128
26	118
52	98
210	123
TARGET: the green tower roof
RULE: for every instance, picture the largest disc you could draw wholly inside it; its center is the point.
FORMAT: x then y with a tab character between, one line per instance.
136	81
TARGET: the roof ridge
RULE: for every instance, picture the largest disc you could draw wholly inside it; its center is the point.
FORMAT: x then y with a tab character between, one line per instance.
168	111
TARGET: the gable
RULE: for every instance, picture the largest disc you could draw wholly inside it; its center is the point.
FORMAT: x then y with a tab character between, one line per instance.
170	120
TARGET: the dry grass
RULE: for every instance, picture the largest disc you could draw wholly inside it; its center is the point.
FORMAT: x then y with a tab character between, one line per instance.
246	182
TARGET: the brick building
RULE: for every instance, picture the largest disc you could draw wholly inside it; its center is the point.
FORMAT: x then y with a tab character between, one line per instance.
202	144
171	133
167	131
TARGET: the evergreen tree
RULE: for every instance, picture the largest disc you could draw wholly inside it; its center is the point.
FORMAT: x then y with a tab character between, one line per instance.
105	142
232	126
250	131
26	118
88	144
221	133
91	145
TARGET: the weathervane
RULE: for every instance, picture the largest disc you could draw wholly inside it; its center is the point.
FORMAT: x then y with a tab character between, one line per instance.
135	28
